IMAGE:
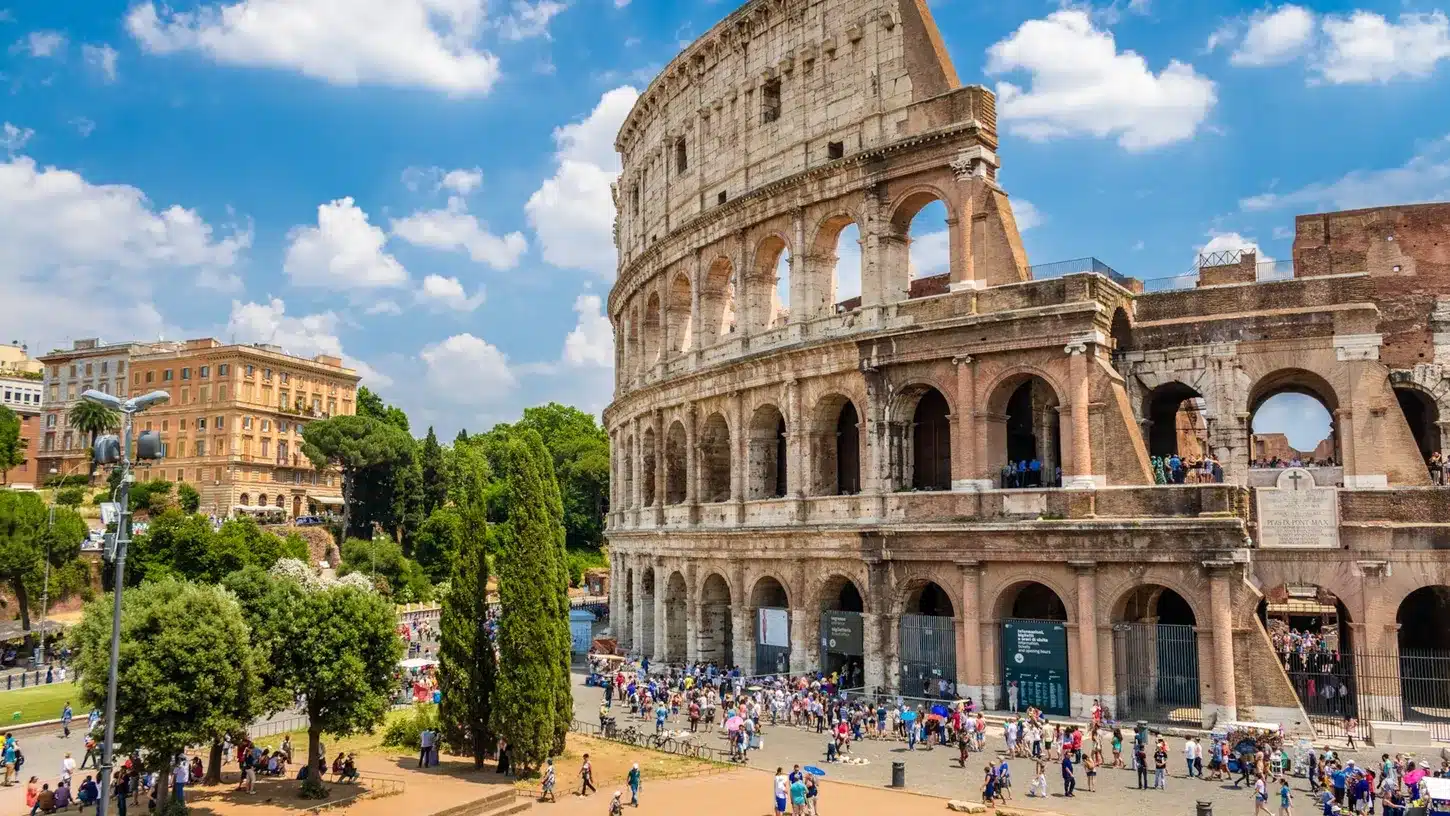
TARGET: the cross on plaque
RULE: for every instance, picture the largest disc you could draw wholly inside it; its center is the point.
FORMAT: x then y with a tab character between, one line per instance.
1295	477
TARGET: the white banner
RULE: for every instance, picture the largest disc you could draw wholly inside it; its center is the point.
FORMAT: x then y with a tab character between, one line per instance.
774	628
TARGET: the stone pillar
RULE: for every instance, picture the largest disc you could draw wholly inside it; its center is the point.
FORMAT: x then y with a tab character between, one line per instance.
637	483
877	672
738	457
692	464
1221	612
871	261
742	633
969	641
874	481
694	626
637	587
801	282
796	444
660	468
1344	429
697	334
662	626
743	261
967	438
1080	386
1087	637
804	640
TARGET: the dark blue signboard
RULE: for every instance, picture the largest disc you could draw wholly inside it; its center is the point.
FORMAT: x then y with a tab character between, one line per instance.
1034	656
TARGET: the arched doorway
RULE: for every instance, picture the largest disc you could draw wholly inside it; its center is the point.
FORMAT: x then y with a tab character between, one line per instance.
1155	657
717	303
1028	432
715	460
928	653
651	332
676	618
296	506
680	326
1424	648
675	464
843	631
716	637
1034	654
1423	417
647	589
931	443
767	292
772	626
1291	414
1173	413
244	500
1121	331
767	453
1310	630
928	244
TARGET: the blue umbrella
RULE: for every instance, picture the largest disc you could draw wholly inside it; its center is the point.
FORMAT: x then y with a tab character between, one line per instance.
940	710
908	716
814	771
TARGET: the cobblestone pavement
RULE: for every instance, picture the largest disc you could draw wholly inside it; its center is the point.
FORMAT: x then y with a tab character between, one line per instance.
936	772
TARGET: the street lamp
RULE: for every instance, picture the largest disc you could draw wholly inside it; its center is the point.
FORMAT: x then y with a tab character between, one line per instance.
109	450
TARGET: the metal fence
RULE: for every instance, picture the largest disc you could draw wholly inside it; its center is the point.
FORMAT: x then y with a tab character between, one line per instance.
681	743
1156	673
1077	266
928	654
1409	686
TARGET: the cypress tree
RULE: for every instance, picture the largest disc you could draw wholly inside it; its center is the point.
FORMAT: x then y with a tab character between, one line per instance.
434	474
554	499
467	662
525	703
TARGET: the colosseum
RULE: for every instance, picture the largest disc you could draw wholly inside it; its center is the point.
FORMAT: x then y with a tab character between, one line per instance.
805	480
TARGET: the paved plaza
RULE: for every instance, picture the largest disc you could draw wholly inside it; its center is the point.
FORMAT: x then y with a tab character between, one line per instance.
935	772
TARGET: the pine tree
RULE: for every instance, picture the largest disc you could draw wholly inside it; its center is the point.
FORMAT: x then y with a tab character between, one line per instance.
468	666
435	474
525	706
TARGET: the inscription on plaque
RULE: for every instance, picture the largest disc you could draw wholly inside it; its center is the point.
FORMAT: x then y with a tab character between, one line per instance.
1298	514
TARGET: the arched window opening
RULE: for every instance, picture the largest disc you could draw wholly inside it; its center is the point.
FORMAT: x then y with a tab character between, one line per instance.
931	443
1292	418
769	593
835	268
1121	331
1032	442
244	500
768	291
650	331
848	269
716	635
717	303
772	621
1423	417
848	451
1424	647
843	631
1036	601
767	453
647	466
929	599
681	327
675	464
928	637
929	250
1173	414
715	460
841	595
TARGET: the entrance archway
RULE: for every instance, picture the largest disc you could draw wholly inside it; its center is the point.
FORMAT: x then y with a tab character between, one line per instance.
771	607
716	636
1155	657
646	601
843	631
1030	430
676	616
931	443
928	654
715	460
1424	647
1310	630
296	506
1173	413
767	455
1034	654
1423	417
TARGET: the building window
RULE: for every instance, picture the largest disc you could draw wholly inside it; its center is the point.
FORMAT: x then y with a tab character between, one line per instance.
50	420
73	370
266	446
223	370
186	394
281	426
286	378
204	372
150	376
201	447
246	423
266	373
835	150
720	199
166	375
186	373
251	371
206	393
221	392
165	424
201	424
90	369
770	101
682	159
104	365
266	425
120	367
220	424
633	202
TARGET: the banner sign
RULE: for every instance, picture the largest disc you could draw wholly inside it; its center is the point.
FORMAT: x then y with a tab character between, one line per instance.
773	628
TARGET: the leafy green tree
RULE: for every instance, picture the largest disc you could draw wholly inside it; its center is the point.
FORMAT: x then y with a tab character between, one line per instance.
12	444
382	560
94	419
526	703
434	472
467	663
71	497
185	545
187	673
369	404
468	471
350	444
438	540
153	495
27	539
408	502
580	450
336	652
188	498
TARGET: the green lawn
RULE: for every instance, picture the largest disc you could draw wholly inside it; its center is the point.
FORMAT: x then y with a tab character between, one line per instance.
37	703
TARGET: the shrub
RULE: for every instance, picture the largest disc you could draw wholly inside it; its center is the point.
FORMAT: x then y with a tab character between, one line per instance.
188	497
70	496
405	732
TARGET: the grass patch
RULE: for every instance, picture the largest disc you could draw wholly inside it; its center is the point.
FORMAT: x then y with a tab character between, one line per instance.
39	703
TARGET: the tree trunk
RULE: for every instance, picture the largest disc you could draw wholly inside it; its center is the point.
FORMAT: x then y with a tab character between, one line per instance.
22	599
214	765
347	477
163	785
314	742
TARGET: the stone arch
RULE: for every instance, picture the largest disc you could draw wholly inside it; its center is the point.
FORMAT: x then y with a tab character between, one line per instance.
1037	598
1155	655
1154	602
840	593
766	455
924	595
651	330
1024	423
647	467
1292	381
675	463
824	285
716	636
1423	616
926	637
715	459
772	645
262	500
765	308
921	437
678	307
835	439
676	616
1121	331
245	500
627	469
1422	414
908	243
280	502
717	302
1174	421
770	590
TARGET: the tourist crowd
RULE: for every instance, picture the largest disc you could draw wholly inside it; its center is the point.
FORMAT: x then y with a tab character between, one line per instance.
1175	469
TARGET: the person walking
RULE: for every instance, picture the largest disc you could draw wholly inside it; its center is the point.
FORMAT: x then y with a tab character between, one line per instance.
586	777
781	790
1069	780
65	717
633	781
550	781
1039	783
1160	766
1140	762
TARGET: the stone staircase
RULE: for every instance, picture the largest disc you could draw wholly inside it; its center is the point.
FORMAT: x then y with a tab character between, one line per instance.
503	802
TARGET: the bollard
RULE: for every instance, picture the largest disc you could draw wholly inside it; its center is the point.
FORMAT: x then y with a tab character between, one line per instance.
9	682
22	679
1205	809
898	775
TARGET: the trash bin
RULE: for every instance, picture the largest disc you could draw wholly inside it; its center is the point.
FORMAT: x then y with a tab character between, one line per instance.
898	775
1205	809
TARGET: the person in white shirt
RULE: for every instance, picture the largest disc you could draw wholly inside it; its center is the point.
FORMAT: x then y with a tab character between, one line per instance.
782	790
180	778
67	767
1189	753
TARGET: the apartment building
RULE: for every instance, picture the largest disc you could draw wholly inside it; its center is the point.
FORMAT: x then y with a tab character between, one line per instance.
68	373
21	391
233	425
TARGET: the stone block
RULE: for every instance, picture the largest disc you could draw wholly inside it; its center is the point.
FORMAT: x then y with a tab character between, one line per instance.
960	806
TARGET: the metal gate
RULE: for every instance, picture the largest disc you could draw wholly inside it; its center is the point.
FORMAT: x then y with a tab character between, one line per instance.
1155	670
928	655
772	658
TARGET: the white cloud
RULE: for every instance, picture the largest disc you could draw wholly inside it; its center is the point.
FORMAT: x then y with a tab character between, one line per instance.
1026	214
462	182
528	20
572	212
1275	37
343	252
83	126
383	307
465	369
591	343
447	293
1425	177
1081	84
41	44
305	336
1365	47
13	137
929	254
454	228
1226	242
404	43
102	58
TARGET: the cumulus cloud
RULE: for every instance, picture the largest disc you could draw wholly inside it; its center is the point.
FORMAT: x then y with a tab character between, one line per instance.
527	20
13	138
591	343
1361	47
447	293
572	212
1220	242
101	58
428	44
1079	83
462	182
1275	37
41	44
455	229
343	252
304	336
1425	177
465	369
1027	214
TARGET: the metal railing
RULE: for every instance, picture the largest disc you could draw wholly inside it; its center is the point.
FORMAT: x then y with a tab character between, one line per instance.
1077	266
1409	686
1266	271
690	744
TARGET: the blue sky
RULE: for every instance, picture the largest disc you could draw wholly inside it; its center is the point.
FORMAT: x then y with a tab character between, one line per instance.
422	185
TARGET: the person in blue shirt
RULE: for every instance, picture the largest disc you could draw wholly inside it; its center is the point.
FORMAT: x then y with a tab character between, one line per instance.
1284	794
1339	778
1034	471
1069	782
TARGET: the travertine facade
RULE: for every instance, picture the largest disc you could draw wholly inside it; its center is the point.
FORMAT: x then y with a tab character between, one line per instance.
835	457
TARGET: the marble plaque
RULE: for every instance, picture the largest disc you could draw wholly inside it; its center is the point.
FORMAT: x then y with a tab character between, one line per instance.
1297	514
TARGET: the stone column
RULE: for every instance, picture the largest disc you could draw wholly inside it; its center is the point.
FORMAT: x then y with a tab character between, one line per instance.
637	468
875	659
742	633
804	640
636	639
1221	612
1080	385
1087	637
969	641
693	626
742	288
692	464
967	437
662	626
697	335
738	455
801	283
874	457
659	474
796	439
1344	429
871	230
